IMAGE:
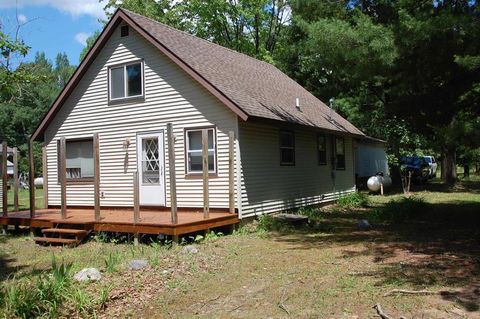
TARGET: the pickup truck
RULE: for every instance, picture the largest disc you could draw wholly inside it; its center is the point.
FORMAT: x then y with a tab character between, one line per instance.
417	165
432	163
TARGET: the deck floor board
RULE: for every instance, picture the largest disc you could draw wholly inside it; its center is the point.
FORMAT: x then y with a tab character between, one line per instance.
121	220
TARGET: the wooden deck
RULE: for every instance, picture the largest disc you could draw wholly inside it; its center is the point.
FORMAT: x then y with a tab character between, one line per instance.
121	220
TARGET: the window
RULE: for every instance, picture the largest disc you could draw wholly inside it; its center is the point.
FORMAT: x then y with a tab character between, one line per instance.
79	159
193	145
339	153
322	149
287	148
124	31
126	81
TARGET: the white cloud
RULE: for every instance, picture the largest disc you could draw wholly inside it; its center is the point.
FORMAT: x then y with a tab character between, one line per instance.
22	18
81	38
75	8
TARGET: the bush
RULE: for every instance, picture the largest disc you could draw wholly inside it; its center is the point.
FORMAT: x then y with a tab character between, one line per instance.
353	200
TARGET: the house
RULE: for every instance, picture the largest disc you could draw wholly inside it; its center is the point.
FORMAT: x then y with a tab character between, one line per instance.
290	149
370	159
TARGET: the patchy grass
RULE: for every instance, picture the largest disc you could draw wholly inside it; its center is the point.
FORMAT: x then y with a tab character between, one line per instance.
353	200
327	269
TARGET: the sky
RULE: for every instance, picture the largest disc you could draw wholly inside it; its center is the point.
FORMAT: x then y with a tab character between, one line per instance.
52	26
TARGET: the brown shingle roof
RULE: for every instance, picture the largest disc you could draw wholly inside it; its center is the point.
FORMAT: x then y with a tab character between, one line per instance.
256	87
249	87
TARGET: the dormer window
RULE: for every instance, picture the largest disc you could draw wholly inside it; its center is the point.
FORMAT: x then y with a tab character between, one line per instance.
126	81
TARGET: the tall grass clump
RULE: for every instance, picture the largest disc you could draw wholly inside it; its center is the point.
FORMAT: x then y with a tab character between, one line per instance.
40	298
353	200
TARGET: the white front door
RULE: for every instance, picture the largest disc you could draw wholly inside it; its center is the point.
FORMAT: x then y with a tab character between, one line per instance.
150	165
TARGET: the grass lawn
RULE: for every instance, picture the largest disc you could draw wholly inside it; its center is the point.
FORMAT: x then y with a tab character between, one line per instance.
24	199
328	269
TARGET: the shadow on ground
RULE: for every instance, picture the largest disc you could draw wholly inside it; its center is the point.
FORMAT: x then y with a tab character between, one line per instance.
432	246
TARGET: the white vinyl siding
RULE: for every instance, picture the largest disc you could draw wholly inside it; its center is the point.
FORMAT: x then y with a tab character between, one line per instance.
171	96
269	187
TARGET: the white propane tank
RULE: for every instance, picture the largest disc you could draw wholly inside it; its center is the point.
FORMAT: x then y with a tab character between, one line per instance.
38	182
374	183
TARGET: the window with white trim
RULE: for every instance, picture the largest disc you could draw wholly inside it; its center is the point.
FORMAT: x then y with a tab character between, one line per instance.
193	138
126	81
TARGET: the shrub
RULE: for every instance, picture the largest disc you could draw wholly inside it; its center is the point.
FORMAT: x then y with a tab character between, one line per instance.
353	200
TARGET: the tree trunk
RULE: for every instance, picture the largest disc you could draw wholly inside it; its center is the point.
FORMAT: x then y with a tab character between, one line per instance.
449	167
466	170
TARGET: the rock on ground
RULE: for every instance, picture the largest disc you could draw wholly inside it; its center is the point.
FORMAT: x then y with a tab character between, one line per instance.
137	264
88	274
190	249
363	224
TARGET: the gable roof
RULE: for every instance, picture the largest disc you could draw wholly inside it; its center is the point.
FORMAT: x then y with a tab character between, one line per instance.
249	87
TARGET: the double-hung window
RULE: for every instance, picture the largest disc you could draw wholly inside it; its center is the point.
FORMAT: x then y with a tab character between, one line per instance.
79	159
322	149
126	81
287	148
339	153
193	145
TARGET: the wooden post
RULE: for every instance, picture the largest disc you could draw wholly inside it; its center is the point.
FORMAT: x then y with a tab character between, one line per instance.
45	176
96	176
136	205
63	178
15	179
31	177
206	204
136	199
231	177
4	179
171	169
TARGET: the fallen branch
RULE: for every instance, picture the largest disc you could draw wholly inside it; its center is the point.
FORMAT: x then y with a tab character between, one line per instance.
281	305
410	292
380	312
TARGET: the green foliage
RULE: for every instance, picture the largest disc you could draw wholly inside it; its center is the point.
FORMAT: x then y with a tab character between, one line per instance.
212	236
401	71
398	210
253	27
42	297
353	200
111	262
267	223
90	41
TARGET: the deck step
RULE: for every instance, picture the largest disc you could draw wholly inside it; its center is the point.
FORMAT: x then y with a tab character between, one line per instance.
58	241
67	231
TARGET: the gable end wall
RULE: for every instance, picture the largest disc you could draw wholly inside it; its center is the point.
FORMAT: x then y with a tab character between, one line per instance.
170	96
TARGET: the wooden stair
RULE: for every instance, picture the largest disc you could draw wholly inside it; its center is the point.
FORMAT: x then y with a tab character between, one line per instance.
63	235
